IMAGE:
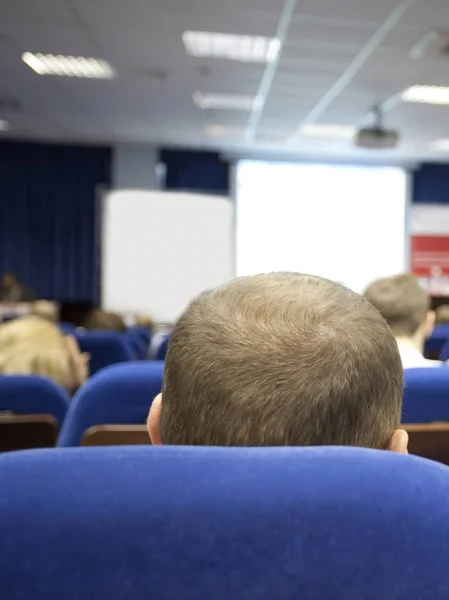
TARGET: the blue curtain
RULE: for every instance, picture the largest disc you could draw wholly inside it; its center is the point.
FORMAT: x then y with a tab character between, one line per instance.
48	217
195	171
431	184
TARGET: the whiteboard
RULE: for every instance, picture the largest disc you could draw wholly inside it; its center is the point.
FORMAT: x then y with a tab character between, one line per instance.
161	249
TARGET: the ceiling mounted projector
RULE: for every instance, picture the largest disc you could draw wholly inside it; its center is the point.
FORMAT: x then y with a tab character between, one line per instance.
377	137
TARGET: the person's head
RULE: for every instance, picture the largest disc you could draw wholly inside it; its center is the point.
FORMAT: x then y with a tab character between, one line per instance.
143	320
404	304
26	329
282	359
105	321
9	281
442	315
45	310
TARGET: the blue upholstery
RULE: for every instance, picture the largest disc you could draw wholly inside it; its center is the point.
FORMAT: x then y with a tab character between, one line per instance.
32	395
67	328
444	355
222	524
426	395
434	345
143	332
121	394
105	349
161	352
138	343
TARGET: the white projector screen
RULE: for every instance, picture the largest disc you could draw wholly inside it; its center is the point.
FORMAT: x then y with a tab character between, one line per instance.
345	223
160	250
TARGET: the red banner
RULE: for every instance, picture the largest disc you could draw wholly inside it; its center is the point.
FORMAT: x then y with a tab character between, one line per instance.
430	262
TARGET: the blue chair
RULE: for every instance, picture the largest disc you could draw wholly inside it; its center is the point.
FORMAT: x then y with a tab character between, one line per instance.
105	348
161	351
426	395
121	394
143	332
147	523
33	395
444	355
138	344
436	342
67	328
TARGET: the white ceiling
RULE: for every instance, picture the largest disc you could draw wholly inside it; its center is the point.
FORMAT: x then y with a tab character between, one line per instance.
314	80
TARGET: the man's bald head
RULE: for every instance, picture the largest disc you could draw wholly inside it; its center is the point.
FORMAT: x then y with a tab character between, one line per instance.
281	359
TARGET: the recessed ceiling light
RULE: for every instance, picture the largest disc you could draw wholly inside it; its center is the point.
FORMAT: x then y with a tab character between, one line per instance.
244	48
68	66
441	145
427	94
4	125
223	101
328	131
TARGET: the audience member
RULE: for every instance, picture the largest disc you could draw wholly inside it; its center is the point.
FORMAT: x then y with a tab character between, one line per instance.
33	346
281	359
442	315
45	310
405	305
12	291
105	321
28	329
145	321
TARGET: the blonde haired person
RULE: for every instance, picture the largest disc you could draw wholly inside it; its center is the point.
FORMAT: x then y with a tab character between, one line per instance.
405	305
33	346
45	310
25	329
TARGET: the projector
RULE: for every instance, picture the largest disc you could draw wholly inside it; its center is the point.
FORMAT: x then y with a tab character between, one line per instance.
377	138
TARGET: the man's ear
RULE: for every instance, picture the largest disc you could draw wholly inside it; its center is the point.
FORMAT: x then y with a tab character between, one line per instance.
398	442
429	323
153	420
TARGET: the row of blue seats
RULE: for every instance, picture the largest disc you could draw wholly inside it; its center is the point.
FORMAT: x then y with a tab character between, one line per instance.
122	394
109	348
195	523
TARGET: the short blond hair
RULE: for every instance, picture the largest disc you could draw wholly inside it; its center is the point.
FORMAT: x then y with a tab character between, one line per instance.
282	359
45	310
49	360
28	329
401	301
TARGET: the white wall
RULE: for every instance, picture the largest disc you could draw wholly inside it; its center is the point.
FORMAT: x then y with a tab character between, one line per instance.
134	167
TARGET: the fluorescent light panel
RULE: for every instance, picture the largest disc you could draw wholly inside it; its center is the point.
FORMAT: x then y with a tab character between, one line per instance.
68	66
328	131
427	94
223	101
243	48
4	125
441	145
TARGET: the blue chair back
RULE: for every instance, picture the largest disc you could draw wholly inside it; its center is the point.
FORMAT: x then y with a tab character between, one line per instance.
33	395
143	332
161	351
67	328
138	343
121	394
223	523
436	342
105	348
444	355
426	395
